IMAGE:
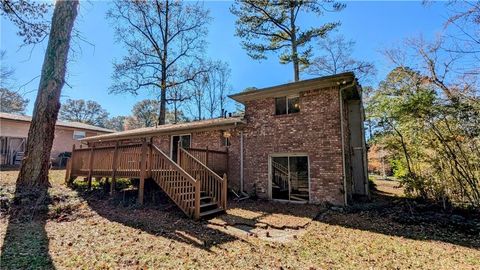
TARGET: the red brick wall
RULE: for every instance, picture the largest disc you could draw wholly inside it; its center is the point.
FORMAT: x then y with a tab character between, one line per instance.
314	131
213	140
203	139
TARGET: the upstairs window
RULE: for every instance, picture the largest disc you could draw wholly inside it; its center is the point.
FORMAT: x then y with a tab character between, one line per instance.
287	105
77	134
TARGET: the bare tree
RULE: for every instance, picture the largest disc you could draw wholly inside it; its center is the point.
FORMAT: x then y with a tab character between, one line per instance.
165	42
273	26
12	102
177	96
198	87
34	169
88	112
6	72
145	113
337	57
217	86
116	123
28	16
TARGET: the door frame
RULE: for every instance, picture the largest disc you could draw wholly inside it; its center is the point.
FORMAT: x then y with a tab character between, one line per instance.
287	154
179	135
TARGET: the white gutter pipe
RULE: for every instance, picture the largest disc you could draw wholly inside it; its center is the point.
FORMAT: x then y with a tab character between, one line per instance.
241	162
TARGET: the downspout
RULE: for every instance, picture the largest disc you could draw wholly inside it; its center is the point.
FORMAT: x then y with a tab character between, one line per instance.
365	153
343	139
241	162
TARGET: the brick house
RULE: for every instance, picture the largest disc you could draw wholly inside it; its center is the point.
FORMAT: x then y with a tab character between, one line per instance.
14	132
297	142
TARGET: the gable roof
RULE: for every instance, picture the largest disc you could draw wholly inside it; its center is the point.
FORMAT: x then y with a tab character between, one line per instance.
294	87
216	123
78	125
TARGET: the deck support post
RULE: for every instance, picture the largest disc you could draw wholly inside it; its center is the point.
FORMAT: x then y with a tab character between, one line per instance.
141	188
114	169
90	167
197	198
224	191
68	174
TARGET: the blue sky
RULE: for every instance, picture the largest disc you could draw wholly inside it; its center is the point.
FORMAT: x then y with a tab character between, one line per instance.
372	25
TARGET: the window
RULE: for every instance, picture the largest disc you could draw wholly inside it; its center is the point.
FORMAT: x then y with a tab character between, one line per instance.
287	105
225	138
77	134
225	141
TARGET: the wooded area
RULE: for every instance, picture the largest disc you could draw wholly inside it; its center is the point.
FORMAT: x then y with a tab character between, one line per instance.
426	112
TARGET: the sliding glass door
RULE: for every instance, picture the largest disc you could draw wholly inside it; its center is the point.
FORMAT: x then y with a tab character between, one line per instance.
289	178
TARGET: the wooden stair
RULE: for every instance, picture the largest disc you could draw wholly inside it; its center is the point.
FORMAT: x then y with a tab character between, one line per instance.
213	197
201	196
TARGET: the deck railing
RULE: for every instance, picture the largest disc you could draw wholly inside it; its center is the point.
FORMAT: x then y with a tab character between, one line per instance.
216	160
211	183
183	182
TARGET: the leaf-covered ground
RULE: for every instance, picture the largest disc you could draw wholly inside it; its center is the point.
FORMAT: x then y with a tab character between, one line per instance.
84	230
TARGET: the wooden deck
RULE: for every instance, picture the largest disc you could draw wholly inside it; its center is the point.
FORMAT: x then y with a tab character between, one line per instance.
196	188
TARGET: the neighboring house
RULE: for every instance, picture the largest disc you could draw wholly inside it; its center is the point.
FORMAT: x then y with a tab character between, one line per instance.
14	133
297	142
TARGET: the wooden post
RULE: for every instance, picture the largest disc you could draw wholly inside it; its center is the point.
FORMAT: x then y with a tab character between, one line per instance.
150	158
206	158
197	198
143	159
179	145
68	173
224	191
114	169
90	167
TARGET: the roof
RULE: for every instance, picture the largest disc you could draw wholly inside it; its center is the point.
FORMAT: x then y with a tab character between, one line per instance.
295	87
77	125
215	123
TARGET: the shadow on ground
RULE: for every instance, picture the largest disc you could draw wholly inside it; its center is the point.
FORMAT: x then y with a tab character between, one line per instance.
160	217
385	214
25	245
413	219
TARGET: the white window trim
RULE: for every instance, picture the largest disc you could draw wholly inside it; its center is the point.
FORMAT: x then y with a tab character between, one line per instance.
79	131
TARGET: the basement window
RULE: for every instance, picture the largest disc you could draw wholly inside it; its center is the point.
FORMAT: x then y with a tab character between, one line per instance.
78	134
287	105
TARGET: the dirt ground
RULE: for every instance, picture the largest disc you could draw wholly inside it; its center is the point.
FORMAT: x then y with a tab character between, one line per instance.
87	230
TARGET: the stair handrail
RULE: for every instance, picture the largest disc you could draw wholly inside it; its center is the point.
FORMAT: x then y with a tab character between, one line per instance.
222	180
195	183
180	169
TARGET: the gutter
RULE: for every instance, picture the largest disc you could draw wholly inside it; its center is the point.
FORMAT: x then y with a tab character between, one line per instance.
345	86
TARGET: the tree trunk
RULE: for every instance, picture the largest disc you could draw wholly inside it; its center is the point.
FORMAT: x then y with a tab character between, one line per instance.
34	170
296	70
163	90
